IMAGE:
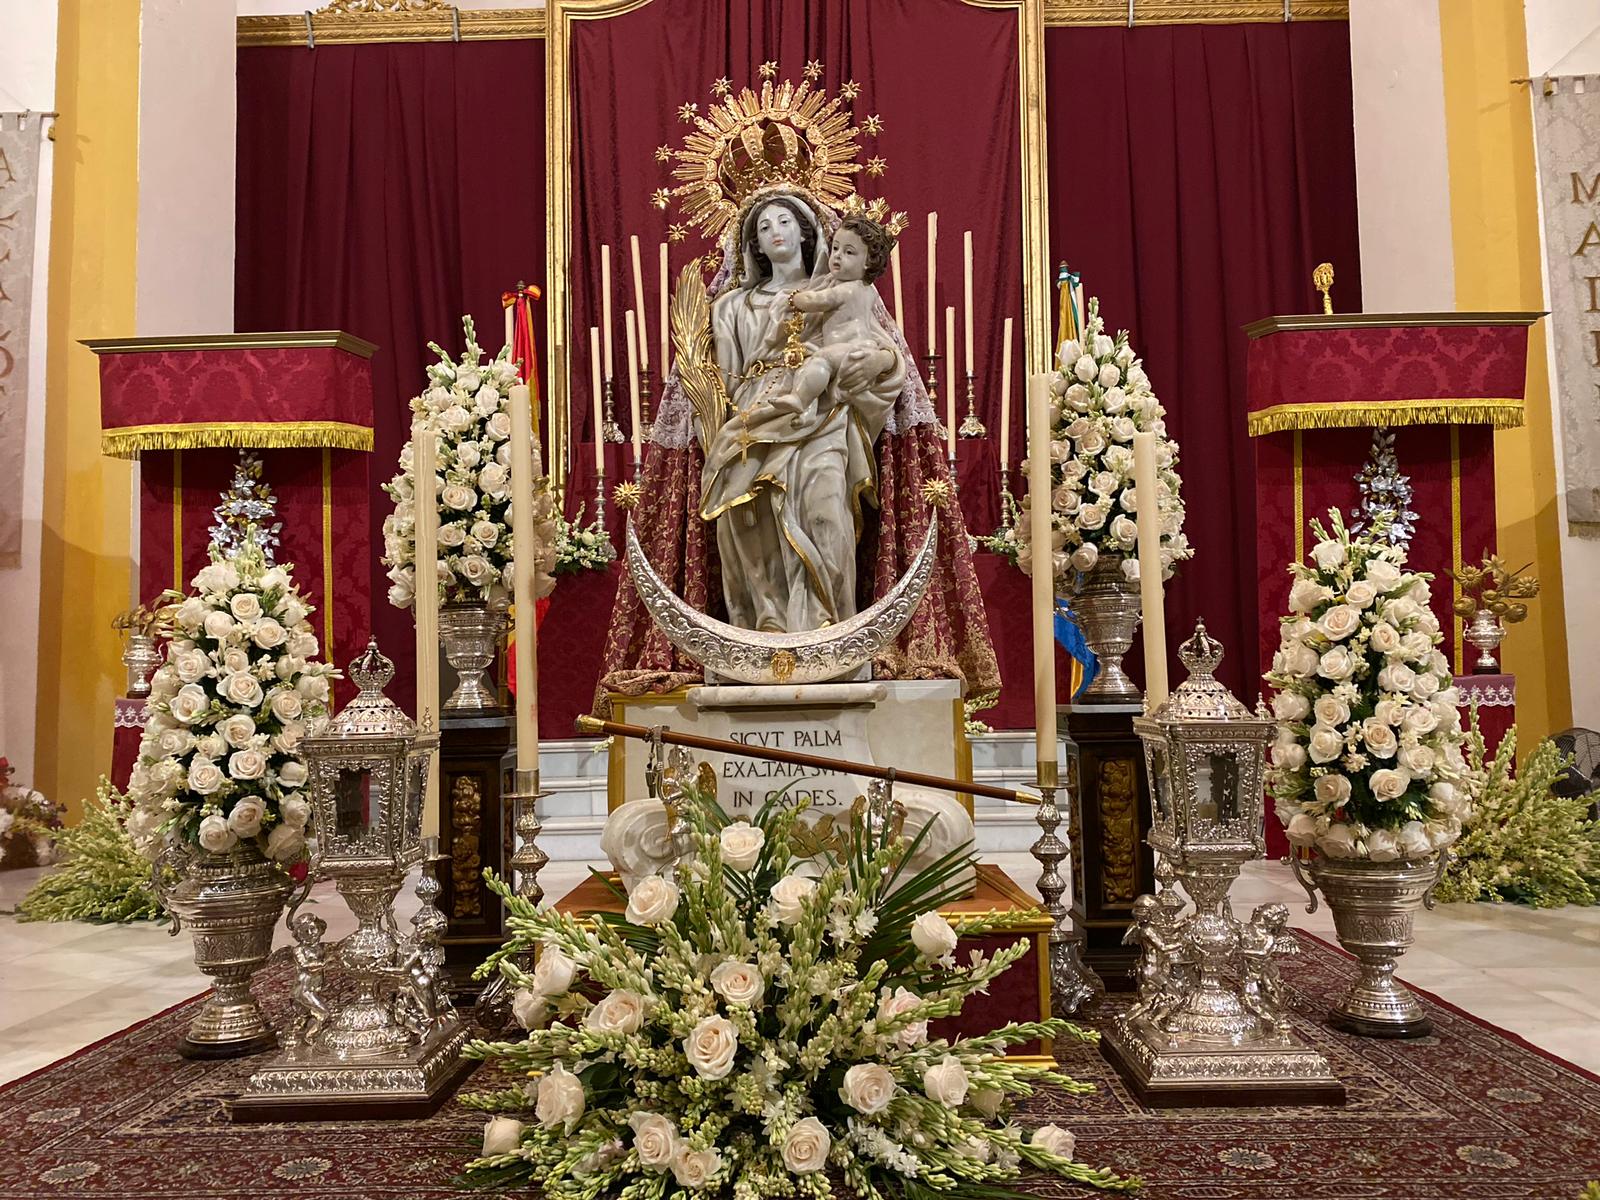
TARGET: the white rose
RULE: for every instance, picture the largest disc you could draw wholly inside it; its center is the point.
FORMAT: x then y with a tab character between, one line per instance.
487	532
788	895
1324	744
1379	737
1383	574
191	614
528	1007
1052	1139
236	658
289	740
946	1082
1306	594
867	1088
1336	664
292	774
1290	706
174	741
711	1046
303	645
903	1001
219	625
738	983
1125	530
1302	829
1361	593
1330	710
1086	368
458	497
1397	677
932	935
1333	789
190	703
268	634
499	426
312	687
1328	555
237	730
295	810
1414	840
1382	846
241	688
741	845
246	606
1092	516
245	817
806	1148
1420	719
1110	375
218	577
286	705
502	1135
1288	754
1385	638
1337	841
1092	442
1417	646
215	835
192	665
1400	611
1085	556
205	777
986	1101
1300	659
560	1099
655	1138
292	610
652	901
452	534
1388	784
1419	760
1426	684
211	746
1339	622
621	1011
284	843
554	972
492	479
694	1168
247	764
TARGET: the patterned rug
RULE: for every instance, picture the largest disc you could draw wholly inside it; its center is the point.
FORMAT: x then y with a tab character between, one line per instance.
1469	1113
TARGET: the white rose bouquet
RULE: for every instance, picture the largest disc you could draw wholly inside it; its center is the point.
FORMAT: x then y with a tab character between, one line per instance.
218	761
468	403
1101	397
581	547
746	1030
1368	761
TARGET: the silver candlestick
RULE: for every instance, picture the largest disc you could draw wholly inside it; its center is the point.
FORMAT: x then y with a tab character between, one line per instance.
610	431
646	425
1073	983
600	498
971	427
528	859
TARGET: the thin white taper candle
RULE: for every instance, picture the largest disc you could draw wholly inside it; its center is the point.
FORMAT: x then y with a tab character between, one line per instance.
933	276
599	402
1005	397
899	308
605	309
631	335
664	364
966	294
638	304
522	481
950	379
1149	516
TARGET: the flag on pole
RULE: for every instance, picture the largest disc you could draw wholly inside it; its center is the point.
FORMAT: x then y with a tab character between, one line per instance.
1069	327
525	354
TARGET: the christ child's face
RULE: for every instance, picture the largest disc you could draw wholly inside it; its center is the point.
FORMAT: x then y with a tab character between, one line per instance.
847	256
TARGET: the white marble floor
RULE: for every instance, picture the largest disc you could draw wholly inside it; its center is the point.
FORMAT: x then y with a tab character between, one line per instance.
1535	973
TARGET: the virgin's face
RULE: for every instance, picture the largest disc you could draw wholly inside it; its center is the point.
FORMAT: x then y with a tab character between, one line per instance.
778	233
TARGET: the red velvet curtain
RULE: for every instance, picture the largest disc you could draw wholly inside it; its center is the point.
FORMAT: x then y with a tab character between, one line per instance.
386	190
1197	175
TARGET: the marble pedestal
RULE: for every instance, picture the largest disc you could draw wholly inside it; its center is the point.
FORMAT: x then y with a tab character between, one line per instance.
915	725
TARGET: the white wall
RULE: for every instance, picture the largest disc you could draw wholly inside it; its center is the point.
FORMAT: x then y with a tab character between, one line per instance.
1564	39
1402	172
28	81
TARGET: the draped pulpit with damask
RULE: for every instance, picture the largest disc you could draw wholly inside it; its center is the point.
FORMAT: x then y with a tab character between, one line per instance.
302	402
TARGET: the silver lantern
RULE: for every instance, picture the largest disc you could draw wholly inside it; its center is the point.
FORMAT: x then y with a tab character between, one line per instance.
1210	1024
387	1041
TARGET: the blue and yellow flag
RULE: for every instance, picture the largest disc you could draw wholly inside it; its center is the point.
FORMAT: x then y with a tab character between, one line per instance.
1069	327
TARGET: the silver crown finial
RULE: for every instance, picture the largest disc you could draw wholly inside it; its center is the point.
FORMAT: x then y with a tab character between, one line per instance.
373	670
1201	653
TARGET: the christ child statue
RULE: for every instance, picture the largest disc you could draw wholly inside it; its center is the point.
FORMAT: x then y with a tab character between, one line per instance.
846	305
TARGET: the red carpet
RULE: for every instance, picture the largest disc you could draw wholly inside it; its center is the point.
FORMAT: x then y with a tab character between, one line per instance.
1470	1113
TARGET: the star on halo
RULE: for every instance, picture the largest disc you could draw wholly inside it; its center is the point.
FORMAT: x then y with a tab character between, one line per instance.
813	69
872	125
676	233
876	166
722	86
660	197
626	495
686	112
663	153
768	69
849	89
936	492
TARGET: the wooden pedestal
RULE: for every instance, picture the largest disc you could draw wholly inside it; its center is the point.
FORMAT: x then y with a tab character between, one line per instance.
472	832
1112	865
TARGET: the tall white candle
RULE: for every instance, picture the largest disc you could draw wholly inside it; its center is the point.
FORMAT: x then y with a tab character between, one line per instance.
425	508
631	334
899	309
933	276
950	379
664	364
605	308
522	481
599	402
1042	563
966	293
1005	398
1149	515
638	304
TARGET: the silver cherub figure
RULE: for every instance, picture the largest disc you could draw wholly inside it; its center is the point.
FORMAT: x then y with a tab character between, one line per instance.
1261	940
310	959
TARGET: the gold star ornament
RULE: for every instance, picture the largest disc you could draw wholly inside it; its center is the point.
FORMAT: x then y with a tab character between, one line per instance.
676	233
660	197
722	87
849	89
876	166
626	495
686	112
769	70
872	125
813	70
936	492
663	153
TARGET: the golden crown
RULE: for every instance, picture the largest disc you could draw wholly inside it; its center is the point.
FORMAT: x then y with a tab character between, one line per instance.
787	134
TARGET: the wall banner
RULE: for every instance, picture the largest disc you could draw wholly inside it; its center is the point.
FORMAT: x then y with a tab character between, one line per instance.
19	190
1567	121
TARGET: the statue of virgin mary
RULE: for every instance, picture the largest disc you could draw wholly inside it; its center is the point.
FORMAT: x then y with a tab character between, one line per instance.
788	505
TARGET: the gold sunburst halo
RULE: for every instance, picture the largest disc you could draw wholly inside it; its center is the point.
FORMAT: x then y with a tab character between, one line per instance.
936	492
626	495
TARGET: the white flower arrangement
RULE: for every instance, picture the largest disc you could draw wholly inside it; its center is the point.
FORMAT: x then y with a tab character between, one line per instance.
750	1031
581	547
1101	397
467	402
218	760
1368	761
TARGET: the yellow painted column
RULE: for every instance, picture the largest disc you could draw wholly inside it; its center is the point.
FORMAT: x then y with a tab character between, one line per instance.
85	557
1494	208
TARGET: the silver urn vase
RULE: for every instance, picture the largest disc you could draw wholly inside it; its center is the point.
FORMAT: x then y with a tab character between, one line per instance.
471	633
231	903
1374	906
1106	604
141	657
1484	634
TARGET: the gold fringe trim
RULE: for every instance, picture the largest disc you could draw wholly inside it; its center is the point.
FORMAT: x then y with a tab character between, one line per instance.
127	441
1497	412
